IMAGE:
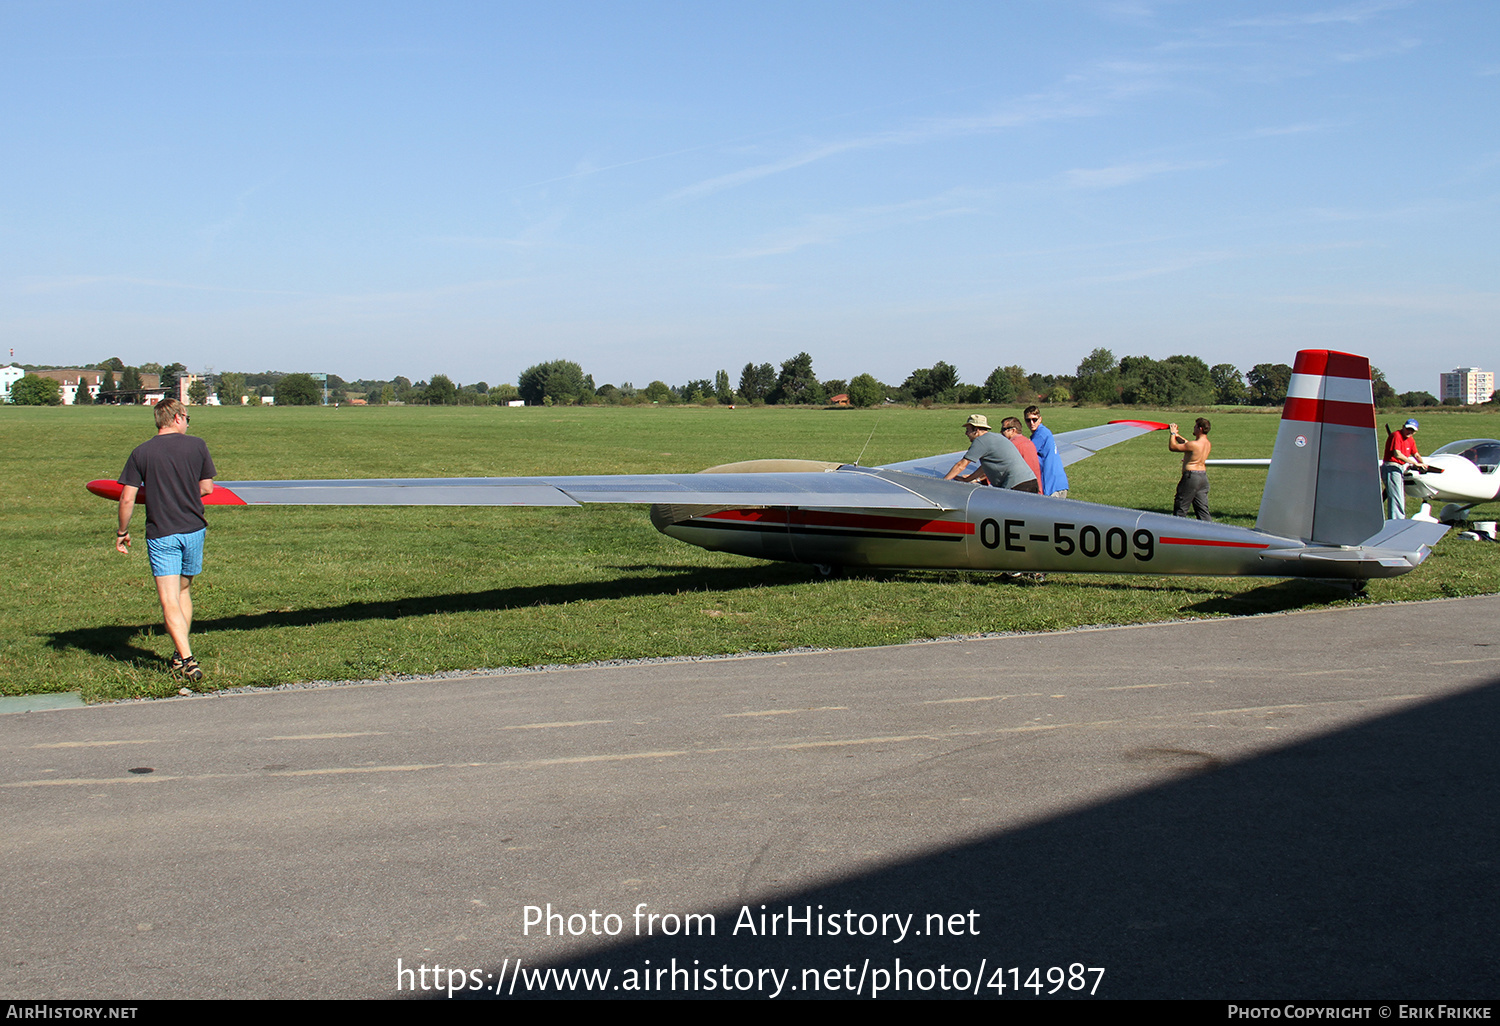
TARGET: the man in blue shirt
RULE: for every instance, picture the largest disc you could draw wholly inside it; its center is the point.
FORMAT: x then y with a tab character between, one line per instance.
1054	479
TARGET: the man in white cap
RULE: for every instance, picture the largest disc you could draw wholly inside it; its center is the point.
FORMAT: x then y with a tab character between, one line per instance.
998	459
1400	453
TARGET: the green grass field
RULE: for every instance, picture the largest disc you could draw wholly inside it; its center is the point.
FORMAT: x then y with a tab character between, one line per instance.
322	593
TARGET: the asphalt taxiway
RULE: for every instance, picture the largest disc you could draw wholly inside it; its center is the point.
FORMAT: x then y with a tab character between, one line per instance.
1298	805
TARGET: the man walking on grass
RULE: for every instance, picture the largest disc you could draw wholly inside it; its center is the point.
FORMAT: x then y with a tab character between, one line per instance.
174	471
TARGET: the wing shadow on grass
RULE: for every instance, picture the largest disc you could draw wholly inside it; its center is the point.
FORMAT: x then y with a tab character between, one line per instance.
1360	864
118	641
115	640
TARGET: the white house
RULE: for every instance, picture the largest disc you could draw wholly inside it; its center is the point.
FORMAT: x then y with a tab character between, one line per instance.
9	376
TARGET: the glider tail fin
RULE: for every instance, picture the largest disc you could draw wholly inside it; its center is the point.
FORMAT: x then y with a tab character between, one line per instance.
1324	481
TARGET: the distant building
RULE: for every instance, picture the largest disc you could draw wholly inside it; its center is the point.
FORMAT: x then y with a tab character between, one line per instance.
73	379
1469	385
9	376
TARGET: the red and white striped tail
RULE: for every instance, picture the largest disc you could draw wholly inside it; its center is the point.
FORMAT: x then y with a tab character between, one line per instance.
1324	481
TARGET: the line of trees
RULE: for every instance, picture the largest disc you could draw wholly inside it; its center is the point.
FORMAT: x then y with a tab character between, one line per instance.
1175	382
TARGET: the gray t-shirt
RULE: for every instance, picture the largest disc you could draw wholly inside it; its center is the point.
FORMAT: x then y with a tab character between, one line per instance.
1002	462
167	469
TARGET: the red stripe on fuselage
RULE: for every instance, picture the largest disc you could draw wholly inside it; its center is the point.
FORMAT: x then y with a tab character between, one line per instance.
1329	411
821	518
1204	541
1333	364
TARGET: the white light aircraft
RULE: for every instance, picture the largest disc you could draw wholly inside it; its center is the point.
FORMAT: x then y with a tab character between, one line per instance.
1320	515
1470	474
1461	474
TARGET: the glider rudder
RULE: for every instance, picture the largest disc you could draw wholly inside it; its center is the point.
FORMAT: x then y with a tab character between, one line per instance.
1324	482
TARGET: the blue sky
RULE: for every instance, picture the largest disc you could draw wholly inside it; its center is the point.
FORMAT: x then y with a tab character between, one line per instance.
661	190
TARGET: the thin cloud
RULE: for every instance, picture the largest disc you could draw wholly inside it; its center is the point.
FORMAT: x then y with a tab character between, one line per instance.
1349	14
1449	302
1302	129
1375	53
1032	111
34	285
1418	211
826	228
1128	174
1175	266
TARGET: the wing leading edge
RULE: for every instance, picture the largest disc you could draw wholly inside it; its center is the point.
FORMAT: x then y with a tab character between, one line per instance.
849	486
1072	446
852	487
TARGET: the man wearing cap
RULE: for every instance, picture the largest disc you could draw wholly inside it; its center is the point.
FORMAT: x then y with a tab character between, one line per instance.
999	460
1400	453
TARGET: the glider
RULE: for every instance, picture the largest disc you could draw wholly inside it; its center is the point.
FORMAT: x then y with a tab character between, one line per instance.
1320	515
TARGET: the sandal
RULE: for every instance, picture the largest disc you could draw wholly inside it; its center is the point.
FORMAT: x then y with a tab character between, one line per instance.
190	670
174	665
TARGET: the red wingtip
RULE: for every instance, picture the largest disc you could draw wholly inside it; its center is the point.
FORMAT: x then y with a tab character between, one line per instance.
106	489
222	496
111	490
1152	424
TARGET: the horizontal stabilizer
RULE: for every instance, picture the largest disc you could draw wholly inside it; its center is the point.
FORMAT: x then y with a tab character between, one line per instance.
1398	547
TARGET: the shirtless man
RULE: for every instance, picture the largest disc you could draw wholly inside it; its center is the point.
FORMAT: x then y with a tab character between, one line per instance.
1192	490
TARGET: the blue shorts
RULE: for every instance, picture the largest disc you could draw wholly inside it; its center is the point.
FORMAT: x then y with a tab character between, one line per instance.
176	555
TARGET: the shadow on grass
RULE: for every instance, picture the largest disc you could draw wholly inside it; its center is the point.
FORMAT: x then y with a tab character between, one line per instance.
1360	864
1282	596
116	641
